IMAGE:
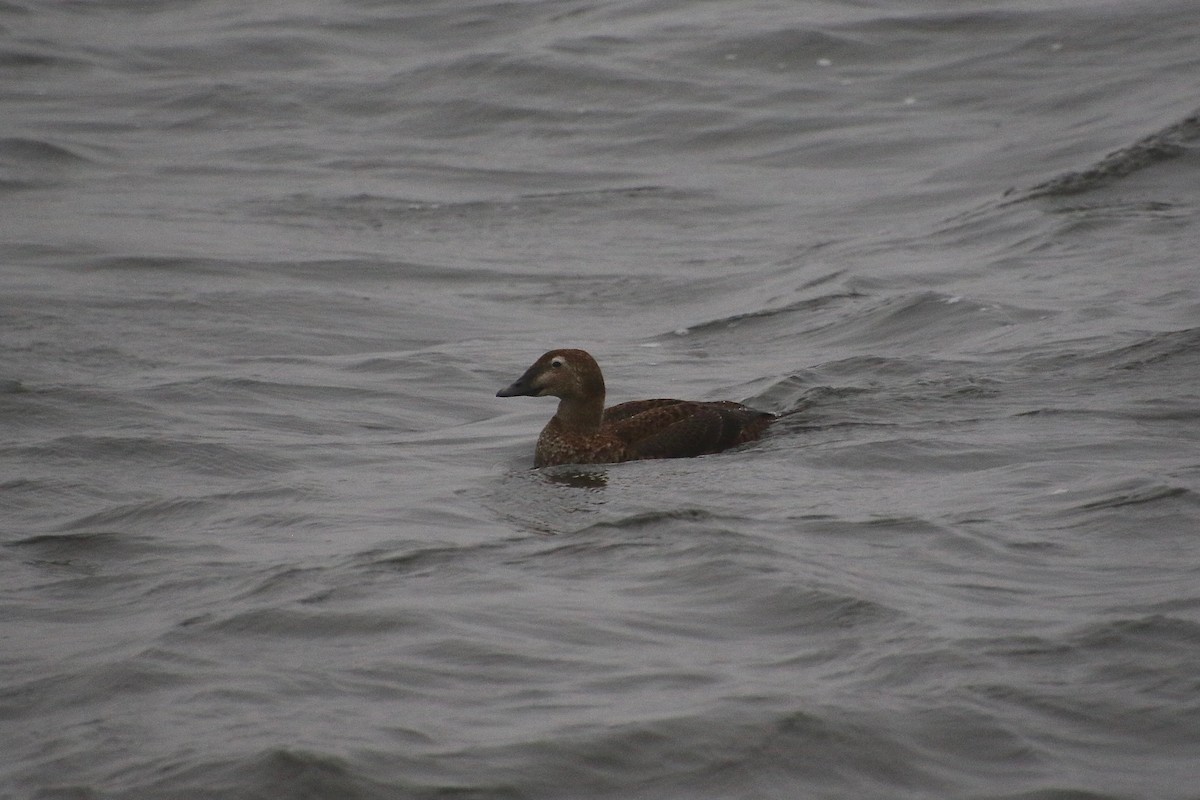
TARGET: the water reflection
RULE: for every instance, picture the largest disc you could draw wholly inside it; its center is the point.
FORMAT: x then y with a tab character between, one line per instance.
577	476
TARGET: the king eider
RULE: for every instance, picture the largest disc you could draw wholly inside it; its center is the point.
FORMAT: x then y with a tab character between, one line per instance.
583	431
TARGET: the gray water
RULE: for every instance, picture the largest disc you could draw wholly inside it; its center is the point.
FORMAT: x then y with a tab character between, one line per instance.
266	532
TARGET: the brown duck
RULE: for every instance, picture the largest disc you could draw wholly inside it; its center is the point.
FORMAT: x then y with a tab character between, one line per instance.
583	431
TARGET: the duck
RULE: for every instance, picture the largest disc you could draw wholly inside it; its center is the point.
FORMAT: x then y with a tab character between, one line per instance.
583	431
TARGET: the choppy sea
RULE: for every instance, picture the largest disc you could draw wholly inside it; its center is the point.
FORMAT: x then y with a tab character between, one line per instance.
266	532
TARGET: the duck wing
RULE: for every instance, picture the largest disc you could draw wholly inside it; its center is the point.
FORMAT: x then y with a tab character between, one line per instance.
681	429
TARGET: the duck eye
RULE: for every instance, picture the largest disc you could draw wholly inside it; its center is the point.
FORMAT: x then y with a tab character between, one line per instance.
556	363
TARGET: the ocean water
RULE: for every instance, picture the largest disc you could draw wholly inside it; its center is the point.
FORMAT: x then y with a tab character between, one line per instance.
265	530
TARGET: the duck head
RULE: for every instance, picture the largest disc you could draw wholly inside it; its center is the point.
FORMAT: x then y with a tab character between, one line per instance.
565	374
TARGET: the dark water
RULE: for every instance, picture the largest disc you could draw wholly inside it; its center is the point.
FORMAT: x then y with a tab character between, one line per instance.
266	532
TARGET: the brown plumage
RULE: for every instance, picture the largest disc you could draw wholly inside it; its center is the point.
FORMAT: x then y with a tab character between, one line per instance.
583	431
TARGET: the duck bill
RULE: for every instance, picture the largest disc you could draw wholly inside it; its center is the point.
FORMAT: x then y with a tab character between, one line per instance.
521	387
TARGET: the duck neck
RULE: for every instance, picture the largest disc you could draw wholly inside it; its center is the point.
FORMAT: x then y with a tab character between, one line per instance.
579	414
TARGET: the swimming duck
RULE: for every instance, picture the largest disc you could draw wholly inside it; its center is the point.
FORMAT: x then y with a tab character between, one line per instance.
583	431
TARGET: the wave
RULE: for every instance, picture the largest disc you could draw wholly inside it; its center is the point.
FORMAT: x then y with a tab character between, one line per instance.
1170	143
27	163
